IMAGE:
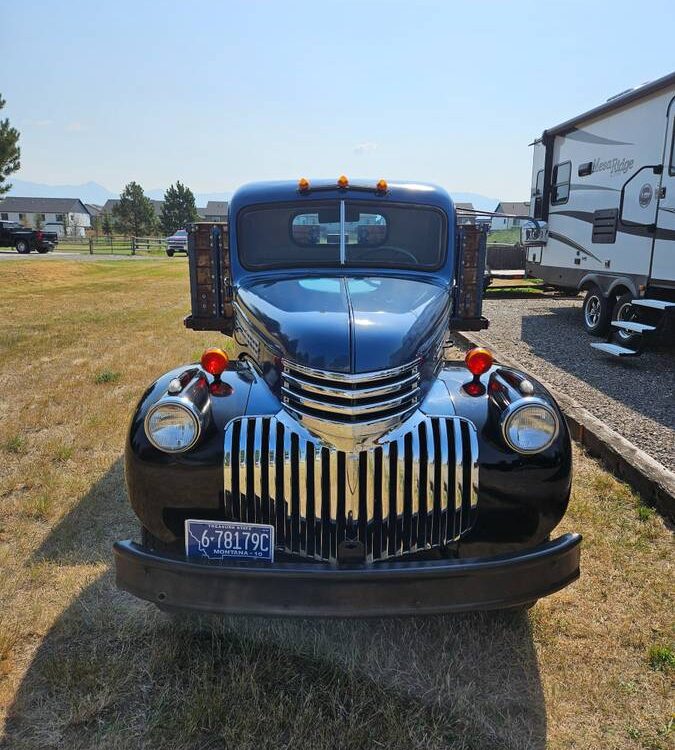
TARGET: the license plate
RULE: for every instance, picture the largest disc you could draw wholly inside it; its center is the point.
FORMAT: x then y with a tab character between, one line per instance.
228	540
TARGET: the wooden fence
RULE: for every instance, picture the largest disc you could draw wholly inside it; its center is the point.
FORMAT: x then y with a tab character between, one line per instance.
505	257
113	245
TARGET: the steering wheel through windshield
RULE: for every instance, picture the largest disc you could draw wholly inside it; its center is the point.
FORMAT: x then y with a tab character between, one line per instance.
391	249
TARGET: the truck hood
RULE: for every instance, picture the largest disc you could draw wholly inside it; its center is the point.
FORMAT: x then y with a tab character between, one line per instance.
346	324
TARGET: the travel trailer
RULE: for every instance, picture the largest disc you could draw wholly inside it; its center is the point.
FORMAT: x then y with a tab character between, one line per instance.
603	190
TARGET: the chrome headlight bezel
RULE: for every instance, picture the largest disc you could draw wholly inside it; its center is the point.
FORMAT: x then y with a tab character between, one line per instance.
513	409
188	408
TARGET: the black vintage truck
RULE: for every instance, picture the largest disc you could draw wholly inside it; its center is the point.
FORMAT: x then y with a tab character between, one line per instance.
25	239
335	462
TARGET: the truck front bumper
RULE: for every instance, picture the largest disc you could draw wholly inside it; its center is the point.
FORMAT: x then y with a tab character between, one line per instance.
383	589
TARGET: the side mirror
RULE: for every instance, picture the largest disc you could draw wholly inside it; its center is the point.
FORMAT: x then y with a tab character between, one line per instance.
534	233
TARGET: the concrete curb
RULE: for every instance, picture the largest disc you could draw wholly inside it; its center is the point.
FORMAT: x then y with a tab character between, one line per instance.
623	459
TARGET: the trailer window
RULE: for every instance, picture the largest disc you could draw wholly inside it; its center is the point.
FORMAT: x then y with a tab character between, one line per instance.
560	184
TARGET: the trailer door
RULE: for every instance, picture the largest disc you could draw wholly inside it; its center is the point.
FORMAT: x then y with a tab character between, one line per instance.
663	258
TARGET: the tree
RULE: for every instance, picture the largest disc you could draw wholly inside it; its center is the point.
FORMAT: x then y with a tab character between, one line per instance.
74	225
179	208
134	214
96	224
37	224
106	224
10	153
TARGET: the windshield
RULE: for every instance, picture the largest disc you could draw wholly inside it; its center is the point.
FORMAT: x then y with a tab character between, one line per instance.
341	233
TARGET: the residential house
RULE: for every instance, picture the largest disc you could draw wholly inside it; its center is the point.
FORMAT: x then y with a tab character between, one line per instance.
67	216
465	218
94	209
519	208
214	211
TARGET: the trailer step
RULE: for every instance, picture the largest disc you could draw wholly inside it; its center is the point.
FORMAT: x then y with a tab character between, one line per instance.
616	350
655	304
629	325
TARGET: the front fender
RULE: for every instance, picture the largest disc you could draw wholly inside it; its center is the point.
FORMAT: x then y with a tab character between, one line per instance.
157	480
521	498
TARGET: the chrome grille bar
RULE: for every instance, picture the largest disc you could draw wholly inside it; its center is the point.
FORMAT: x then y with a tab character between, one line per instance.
296	384
357	397
418	491
356	379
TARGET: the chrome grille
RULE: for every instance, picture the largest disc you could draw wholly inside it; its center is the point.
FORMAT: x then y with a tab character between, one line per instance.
342	397
417	491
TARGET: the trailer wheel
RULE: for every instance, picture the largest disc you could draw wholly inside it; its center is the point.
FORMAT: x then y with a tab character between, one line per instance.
596	312
624	310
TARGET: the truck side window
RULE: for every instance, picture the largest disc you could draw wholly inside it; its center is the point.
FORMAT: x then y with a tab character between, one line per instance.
538	195
560	183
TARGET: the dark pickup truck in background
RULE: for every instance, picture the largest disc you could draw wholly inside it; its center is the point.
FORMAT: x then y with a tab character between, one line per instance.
25	239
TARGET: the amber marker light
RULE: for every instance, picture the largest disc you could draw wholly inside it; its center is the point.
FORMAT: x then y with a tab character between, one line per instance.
215	361
382	186
342	181
303	184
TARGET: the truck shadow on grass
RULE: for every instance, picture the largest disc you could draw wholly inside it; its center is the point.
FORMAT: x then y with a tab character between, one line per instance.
113	672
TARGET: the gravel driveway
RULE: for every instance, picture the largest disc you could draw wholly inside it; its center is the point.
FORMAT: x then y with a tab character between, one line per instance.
635	397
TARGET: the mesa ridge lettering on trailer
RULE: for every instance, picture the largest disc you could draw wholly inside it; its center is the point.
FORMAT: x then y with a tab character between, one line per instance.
615	166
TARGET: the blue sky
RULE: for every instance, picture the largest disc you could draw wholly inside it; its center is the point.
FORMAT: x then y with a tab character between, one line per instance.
217	94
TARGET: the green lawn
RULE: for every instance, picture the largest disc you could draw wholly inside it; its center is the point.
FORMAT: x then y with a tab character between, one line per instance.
504	236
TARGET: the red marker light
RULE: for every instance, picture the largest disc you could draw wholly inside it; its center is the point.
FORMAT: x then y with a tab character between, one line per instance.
478	361
474	388
215	361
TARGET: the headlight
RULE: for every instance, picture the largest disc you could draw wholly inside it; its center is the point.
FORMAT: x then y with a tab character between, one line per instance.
172	427
530	425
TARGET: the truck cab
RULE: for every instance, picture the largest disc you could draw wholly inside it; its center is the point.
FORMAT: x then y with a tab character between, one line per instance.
332	461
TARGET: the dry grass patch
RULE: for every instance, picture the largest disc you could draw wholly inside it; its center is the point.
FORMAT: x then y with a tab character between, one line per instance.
85	666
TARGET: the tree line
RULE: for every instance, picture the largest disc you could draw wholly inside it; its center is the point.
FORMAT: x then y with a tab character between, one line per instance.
135	215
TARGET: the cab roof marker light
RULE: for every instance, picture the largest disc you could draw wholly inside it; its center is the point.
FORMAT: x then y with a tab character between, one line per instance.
343	181
382	186
303	185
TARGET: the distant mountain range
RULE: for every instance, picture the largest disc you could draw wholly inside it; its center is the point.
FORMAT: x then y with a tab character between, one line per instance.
89	192
92	192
